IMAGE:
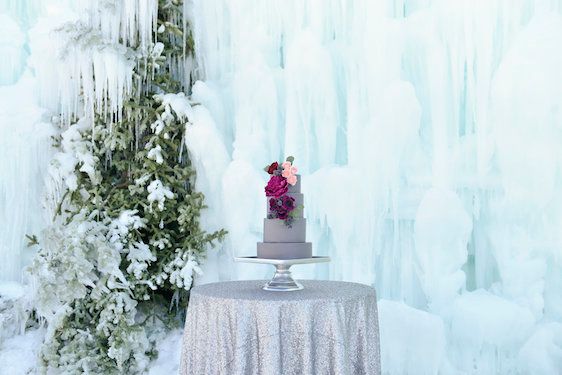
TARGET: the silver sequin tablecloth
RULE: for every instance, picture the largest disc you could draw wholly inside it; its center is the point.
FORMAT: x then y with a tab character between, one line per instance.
237	328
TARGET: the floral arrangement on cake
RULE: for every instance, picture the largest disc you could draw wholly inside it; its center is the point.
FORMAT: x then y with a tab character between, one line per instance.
281	205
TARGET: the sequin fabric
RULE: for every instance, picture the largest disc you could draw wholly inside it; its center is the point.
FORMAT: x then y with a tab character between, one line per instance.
237	328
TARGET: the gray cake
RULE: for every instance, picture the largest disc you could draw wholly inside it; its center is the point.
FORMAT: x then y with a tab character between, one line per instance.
285	242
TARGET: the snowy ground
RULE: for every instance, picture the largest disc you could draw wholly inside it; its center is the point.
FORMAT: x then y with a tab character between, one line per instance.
18	354
168	355
19	348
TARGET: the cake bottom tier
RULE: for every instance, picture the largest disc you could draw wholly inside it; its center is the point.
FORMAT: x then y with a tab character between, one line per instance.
284	250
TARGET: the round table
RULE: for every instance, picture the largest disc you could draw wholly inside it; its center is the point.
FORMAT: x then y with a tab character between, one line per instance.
235	327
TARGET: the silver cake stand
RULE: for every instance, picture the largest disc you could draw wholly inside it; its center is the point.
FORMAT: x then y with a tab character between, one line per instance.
282	280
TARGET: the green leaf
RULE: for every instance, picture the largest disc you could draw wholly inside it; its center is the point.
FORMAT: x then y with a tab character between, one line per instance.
31	240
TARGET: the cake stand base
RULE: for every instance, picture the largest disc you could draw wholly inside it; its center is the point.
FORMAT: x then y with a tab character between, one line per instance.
282	280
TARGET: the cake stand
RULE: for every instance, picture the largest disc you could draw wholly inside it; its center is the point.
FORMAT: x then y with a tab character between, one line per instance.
282	280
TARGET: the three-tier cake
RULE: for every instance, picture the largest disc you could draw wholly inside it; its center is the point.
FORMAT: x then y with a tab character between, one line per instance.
284	235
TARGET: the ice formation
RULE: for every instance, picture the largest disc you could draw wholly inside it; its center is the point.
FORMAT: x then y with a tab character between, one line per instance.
84	57
12	41
428	137
427	133
24	156
418	335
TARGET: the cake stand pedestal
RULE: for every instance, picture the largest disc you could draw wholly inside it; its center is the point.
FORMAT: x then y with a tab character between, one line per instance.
282	280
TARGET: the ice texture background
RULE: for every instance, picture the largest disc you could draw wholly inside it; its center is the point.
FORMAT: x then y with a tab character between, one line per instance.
428	134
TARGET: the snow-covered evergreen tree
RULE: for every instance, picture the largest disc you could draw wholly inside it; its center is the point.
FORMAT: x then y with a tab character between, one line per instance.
115	267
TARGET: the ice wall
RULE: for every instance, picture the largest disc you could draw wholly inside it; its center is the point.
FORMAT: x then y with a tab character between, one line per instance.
25	126
24	155
24	141
428	136
12	41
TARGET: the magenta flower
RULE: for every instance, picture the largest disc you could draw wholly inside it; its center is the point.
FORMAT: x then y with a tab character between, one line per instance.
276	187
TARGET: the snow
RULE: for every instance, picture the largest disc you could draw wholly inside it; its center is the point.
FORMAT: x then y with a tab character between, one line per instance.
168	359
18	355
185	270
157	126
178	103
155	154
157	192
13	309
75	151
412	341
11	290
129	218
140	257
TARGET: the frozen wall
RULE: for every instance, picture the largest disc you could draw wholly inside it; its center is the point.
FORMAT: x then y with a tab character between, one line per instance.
429	136
27	105
25	132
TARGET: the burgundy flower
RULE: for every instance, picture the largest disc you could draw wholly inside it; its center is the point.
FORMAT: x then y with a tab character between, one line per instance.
288	202
283	215
281	207
276	187
273	167
273	204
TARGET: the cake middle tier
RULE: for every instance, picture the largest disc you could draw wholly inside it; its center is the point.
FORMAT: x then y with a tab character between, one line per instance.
299	199
275	230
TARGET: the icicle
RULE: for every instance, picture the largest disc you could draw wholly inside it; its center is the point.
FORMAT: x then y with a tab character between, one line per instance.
131	21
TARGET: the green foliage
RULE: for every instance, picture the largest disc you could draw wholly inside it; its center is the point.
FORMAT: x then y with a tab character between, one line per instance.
127	241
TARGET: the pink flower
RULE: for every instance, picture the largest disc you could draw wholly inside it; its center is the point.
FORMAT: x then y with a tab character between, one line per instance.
289	172
292	180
